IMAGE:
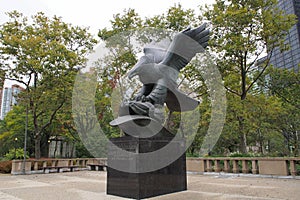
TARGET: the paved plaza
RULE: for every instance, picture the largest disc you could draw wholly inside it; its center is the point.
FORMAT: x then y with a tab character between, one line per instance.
91	185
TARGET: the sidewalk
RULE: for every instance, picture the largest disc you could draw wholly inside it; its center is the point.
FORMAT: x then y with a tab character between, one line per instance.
91	185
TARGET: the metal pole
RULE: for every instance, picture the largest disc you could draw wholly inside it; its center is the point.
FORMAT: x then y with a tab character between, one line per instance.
15	140
25	140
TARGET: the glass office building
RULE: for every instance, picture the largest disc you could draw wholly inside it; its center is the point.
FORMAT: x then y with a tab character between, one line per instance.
6	102
9	99
289	59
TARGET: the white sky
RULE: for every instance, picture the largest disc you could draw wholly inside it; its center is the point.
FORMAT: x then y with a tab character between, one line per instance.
95	14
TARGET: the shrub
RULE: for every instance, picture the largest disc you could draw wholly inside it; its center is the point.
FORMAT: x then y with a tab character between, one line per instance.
237	154
15	154
188	154
5	166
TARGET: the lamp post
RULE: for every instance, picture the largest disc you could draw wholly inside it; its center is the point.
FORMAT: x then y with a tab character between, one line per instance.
16	140
25	140
49	152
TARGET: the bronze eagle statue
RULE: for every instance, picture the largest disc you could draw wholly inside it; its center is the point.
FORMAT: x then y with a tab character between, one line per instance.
158	70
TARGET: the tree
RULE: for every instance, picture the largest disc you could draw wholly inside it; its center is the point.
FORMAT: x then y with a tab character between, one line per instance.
242	31
44	55
12	127
285	84
262	114
176	19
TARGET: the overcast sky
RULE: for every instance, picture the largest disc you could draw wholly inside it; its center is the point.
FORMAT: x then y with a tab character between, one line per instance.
95	14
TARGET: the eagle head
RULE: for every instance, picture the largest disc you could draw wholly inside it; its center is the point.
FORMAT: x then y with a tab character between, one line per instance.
153	54
140	66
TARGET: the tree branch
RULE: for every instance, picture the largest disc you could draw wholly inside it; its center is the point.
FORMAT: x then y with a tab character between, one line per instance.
14	79
262	71
232	91
52	117
254	61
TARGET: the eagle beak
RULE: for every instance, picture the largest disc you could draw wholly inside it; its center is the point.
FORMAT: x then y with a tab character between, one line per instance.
131	74
137	67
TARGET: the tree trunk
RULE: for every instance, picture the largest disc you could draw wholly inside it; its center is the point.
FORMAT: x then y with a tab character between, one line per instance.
243	138
72	150
243	147
261	142
37	144
55	149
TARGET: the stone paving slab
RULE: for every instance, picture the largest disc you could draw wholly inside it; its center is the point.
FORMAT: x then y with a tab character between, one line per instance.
91	185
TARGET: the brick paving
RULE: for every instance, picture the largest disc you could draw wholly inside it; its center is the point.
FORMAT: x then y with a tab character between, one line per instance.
91	185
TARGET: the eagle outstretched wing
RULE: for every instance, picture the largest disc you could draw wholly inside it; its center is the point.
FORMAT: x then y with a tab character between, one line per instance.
184	47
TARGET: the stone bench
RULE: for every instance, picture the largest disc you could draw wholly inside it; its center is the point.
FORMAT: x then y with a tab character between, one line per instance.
59	166
97	167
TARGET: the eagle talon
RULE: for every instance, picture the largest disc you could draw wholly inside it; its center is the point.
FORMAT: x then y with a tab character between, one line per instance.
139	97
147	99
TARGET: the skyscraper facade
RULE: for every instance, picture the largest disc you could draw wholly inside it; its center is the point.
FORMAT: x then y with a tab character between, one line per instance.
9	98
5	108
289	59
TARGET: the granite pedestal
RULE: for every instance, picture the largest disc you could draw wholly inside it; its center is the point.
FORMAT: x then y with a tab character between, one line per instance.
169	179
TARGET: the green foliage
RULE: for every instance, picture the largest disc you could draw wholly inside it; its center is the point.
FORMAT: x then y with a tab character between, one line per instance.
242	31
130	20
284	84
261	121
82	152
176	19
43	54
12	130
237	154
191	155
46	53
16	154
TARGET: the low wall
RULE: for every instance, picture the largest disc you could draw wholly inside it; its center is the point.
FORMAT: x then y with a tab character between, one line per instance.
264	166
251	165
20	167
36	166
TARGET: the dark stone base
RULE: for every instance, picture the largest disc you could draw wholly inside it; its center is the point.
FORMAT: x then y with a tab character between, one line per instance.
169	179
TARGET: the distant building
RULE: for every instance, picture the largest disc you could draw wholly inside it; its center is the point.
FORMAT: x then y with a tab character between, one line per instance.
9	98
5	108
15	89
289	59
